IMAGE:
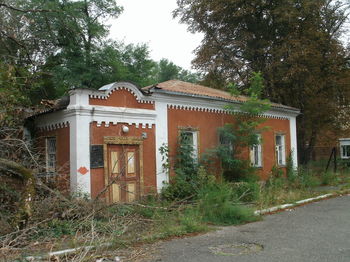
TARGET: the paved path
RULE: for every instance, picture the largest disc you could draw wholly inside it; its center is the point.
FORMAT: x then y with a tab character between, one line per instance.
315	232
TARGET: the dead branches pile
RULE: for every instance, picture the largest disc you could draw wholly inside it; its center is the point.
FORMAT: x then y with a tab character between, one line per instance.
75	222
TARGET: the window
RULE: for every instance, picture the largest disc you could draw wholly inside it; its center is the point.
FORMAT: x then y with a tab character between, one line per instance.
51	154
191	138
344	148
256	153
226	142
280	150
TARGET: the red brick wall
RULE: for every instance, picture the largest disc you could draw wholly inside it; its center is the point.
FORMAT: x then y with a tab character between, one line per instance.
207	123
62	154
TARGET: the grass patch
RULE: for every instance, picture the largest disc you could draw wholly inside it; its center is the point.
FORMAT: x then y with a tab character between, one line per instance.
218	205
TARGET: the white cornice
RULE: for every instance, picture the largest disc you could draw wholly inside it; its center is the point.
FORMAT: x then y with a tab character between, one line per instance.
214	106
100	114
52	121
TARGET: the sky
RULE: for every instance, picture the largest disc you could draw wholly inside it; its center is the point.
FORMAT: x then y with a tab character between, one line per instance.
151	22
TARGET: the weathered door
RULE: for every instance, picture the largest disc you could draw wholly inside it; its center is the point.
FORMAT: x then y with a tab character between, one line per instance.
124	172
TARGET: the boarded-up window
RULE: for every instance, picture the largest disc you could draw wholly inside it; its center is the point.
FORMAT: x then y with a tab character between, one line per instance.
114	162
116	192
131	162
131	192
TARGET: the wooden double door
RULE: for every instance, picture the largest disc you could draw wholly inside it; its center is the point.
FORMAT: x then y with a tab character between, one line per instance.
124	172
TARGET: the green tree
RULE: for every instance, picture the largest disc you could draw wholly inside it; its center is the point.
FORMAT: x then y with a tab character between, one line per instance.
58	42
295	44
243	133
167	70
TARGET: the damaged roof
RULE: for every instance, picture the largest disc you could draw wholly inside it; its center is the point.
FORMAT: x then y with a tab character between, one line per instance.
185	88
49	106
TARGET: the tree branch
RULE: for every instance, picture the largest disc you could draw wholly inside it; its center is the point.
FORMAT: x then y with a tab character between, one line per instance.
28	10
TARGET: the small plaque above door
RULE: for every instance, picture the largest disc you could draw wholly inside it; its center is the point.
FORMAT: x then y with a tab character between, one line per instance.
96	156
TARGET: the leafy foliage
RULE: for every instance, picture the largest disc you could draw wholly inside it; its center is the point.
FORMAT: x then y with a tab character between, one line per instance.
294	44
243	133
56	45
185	183
167	70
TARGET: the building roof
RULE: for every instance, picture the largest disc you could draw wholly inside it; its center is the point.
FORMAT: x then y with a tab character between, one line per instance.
49	106
185	88
194	89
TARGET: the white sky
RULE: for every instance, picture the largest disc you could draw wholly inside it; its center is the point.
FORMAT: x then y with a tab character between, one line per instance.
151	22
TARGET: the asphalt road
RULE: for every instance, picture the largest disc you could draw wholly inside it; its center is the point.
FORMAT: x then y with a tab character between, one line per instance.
315	232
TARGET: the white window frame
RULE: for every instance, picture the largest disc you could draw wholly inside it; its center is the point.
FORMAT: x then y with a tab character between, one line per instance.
51	154
256	153
195	142
343	144
280	150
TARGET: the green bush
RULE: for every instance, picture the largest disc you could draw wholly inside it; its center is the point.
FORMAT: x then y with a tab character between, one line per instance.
179	188
185	184
218	206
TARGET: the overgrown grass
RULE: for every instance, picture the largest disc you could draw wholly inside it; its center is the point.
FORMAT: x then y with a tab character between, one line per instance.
57	223
304	183
219	205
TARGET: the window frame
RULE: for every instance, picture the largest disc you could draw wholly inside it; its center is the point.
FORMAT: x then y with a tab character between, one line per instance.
195	134
226	143
282	150
50	165
256	148
344	143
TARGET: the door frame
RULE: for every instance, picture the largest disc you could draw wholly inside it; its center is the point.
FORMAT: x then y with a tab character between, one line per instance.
121	140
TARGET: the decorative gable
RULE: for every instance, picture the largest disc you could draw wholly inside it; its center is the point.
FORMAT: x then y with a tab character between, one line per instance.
121	94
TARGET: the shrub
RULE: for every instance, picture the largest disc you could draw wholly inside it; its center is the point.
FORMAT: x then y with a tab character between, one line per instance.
186	182
217	206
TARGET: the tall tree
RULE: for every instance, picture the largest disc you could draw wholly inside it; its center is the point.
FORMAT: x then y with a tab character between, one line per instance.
294	43
167	70
57	41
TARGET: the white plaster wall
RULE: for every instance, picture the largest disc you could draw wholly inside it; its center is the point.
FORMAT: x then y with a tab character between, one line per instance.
79	143
293	140
161	139
80	154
